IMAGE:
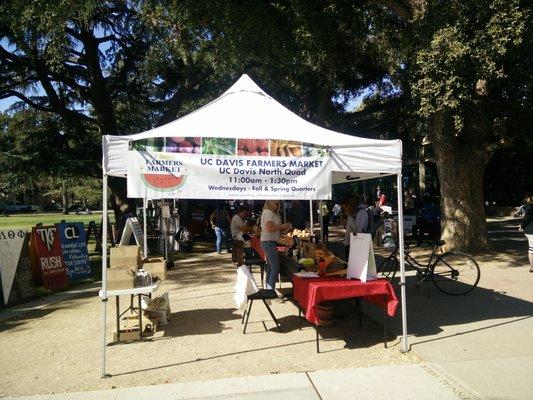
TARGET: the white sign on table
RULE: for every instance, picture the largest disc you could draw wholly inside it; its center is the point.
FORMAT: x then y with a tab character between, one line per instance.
361	260
228	170
133	226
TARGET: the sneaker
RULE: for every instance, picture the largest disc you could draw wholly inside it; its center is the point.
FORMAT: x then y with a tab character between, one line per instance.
531	269
218	252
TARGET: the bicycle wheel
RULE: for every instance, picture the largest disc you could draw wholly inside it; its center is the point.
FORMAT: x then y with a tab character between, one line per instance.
387	269
456	273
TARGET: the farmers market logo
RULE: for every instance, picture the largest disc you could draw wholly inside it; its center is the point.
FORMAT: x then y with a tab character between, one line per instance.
163	174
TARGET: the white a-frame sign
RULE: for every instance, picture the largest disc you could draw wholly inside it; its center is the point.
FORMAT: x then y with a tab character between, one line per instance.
361	261
133	226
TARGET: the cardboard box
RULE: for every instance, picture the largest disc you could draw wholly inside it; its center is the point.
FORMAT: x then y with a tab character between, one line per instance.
155	265
120	278
125	256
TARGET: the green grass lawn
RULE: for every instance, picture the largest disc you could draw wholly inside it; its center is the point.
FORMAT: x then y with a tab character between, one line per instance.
29	220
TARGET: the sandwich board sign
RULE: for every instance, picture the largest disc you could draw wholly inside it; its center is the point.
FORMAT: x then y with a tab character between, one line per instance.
361	261
133	227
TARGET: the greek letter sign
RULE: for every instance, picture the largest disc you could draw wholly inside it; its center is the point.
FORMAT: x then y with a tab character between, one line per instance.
226	168
48	248
11	245
74	249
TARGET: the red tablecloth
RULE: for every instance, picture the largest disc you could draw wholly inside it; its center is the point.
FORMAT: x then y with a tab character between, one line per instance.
255	242
309	292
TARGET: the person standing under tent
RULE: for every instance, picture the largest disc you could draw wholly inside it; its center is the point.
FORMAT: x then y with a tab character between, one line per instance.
526	226
271	227
323	212
356	219
298	215
409	203
239	231
337	209
220	221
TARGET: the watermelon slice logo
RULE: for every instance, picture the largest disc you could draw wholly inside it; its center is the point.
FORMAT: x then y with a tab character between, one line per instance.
164	182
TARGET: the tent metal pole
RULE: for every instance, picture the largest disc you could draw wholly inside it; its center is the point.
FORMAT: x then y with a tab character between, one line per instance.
104	270
284	212
321	221
311	216
405	344
145	224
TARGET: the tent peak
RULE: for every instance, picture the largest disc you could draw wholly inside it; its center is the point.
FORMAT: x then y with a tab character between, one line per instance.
245	84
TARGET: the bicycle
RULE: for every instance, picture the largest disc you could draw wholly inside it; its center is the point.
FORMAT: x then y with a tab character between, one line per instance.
453	273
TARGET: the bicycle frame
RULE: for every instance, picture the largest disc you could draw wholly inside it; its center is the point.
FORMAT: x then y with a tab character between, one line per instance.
426	271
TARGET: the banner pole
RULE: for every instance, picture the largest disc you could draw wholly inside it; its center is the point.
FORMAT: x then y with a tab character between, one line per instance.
145	234
321	221
405	347
311	215
104	271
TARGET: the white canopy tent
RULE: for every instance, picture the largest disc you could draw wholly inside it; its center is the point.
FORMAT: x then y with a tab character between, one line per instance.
246	111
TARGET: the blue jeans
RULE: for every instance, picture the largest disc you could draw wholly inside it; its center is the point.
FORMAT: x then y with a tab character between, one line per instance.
272	267
222	233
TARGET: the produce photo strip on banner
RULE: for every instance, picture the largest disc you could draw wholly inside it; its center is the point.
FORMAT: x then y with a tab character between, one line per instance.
228	168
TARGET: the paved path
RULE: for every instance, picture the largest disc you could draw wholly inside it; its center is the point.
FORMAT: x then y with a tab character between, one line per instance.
421	381
486	337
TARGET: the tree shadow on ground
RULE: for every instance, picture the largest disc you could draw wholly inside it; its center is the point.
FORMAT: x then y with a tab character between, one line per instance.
37	313
428	309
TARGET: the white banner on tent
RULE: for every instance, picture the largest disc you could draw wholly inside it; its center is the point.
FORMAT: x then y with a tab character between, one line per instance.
165	175
11	242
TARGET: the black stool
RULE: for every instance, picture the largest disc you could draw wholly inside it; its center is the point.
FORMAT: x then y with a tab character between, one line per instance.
252	258
263	295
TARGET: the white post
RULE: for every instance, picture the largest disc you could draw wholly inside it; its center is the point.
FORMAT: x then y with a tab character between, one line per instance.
405	347
311	215
104	269
145	234
321	221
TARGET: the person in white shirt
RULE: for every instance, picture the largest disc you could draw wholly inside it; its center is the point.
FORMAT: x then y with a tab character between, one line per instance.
238	227
271	227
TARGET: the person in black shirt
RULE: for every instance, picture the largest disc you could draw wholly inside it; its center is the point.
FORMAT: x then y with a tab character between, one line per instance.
220	221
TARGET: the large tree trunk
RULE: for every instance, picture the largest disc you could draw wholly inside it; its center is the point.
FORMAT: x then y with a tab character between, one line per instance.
461	166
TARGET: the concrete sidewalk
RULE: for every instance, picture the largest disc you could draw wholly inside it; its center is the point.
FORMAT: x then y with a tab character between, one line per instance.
421	381
485	337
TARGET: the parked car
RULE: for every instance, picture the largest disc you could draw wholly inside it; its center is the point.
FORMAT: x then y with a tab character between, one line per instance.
15	207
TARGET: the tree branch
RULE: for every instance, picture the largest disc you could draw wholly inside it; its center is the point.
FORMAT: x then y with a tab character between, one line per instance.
14	93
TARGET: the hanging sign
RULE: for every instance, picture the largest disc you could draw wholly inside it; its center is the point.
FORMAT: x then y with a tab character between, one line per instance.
73	241
11	243
225	168
50	258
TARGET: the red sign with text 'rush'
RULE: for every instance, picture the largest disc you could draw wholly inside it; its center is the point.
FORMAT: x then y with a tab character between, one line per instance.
48	248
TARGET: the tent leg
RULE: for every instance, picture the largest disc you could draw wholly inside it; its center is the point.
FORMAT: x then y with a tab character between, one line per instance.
311	215
321	222
405	344
104	270
145	234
